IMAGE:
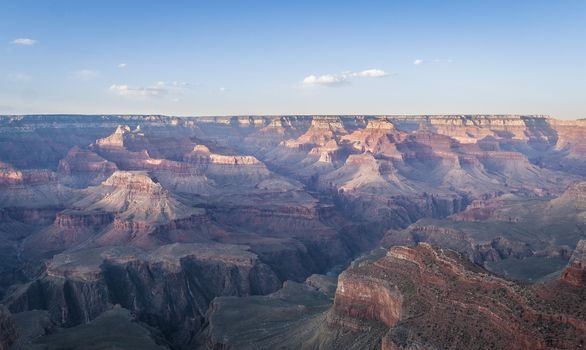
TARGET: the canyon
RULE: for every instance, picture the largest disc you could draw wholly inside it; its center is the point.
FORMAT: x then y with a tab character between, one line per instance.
316	232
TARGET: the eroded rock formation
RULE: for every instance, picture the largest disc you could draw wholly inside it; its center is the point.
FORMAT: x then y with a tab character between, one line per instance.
432	298
163	214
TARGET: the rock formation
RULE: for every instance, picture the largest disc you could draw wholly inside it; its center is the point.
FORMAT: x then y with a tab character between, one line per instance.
8	331
162	215
434	298
85	167
169	287
575	273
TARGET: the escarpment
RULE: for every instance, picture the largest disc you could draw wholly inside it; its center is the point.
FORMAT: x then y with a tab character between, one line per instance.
575	273
141	209
169	287
407	298
428	297
8	330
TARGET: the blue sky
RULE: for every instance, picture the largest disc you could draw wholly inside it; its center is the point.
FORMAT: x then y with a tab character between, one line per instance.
299	57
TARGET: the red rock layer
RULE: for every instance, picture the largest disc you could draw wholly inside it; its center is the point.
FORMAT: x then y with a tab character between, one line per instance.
432	298
11	176
575	273
81	161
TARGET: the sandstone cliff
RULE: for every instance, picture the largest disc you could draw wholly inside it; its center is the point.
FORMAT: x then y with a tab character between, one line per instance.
431	298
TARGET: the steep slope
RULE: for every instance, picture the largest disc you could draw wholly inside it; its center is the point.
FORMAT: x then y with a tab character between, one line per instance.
286	319
430	298
114	329
227	169
182	210
131	150
169	287
575	273
410	298
8	330
33	188
128	208
519	237
81	168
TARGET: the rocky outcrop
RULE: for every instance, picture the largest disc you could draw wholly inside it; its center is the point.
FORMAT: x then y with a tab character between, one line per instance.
38	189
202	155
9	176
122	137
482	185
575	273
8	331
510	235
169	288
141	208
271	320
320	132
226	169
379	137
85	167
127	208
431	298
129	333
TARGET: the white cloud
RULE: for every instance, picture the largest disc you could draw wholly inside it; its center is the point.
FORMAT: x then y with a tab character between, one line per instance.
371	73
174	90
122	65
326	79
338	79
85	74
181	84
436	60
24	41
139	91
19	77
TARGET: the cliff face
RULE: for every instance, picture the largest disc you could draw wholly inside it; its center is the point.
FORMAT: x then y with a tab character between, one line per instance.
430	298
140	209
11	176
169	288
227	169
85	167
303	194
510	235
575	273
8	331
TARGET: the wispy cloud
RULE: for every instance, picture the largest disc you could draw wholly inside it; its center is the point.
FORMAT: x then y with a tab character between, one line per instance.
137	91
85	74
19	77
122	65
24	41
420	61
342	78
159	89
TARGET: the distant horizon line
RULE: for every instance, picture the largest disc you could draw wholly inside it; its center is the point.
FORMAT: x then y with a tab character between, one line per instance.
495	115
